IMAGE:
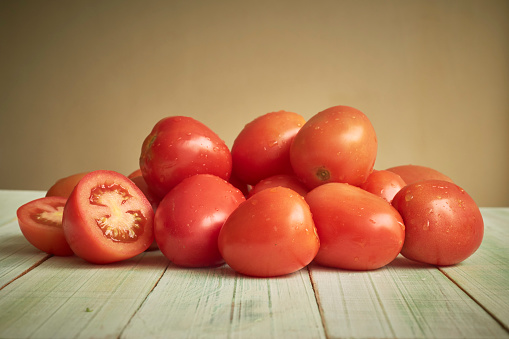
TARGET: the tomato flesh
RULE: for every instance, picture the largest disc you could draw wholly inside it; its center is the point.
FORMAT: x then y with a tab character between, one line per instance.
108	218
40	222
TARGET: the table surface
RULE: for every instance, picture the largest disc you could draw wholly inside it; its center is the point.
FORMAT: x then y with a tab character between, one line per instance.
44	296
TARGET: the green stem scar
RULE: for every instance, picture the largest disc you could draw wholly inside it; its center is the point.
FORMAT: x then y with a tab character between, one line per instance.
322	174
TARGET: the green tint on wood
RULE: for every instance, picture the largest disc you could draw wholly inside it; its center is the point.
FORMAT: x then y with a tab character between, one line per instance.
43	296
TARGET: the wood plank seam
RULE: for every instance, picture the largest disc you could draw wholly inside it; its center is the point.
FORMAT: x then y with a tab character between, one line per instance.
317	301
35	265
499	321
120	335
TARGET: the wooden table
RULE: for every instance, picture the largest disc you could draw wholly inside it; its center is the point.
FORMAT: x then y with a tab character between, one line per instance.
43	296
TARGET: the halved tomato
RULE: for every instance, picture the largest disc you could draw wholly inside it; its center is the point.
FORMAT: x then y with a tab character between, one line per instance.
107	218
40	221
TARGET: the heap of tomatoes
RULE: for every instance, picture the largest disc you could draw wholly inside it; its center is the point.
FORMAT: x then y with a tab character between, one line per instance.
288	193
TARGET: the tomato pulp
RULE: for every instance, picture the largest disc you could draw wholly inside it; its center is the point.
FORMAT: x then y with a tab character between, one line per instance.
107	218
40	222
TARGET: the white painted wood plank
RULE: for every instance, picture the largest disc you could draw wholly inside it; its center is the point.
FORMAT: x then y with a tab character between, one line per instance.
402	300
17	255
208	303
485	275
51	301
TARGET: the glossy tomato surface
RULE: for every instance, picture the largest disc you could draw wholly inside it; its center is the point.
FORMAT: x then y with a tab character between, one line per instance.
107	218
357	230
40	222
338	144
444	225
384	184
270	234
262	148
64	186
415	173
189	218
284	180
179	147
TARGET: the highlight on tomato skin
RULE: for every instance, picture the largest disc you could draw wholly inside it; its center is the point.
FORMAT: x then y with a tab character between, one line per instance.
338	144
107	218
444	225
270	234
40	221
358	230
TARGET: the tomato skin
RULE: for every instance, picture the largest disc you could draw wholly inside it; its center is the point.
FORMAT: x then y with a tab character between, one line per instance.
358	230
415	173
338	144
189	218
444	225
384	184
64	186
95	200
270	234
179	147
46	236
283	180
262	148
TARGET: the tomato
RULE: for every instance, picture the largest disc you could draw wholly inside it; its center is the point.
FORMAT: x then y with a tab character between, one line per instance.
443	223
64	186
270	234
40	222
338	144
284	180
414	173
358	230
383	183
140	182
262	148
242	186
135	173
179	147
107	218
189	218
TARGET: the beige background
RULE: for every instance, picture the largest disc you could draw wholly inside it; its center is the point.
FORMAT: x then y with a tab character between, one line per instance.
83	82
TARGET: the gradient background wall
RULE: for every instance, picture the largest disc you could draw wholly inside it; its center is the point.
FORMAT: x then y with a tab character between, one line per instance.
83	82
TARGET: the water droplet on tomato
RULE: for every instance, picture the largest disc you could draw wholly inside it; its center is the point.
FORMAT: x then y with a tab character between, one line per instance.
408	196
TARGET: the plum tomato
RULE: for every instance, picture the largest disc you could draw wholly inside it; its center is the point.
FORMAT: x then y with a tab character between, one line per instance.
179	147
283	180
357	229
107	218
270	234
262	148
444	225
64	186
383	183
414	173
140	182
189	218
338	144
40	221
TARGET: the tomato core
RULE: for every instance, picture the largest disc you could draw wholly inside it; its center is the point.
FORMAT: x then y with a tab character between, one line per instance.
51	217
115	222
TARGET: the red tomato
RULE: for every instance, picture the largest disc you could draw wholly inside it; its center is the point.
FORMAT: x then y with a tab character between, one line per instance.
443	223
107	218
40	222
64	186
357	229
140	182
270	234
135	173
283	180
338	144
414	173
189	218
179	147
262	148
385	184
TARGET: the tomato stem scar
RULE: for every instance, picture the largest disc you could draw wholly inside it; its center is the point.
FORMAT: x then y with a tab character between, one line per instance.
323	174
